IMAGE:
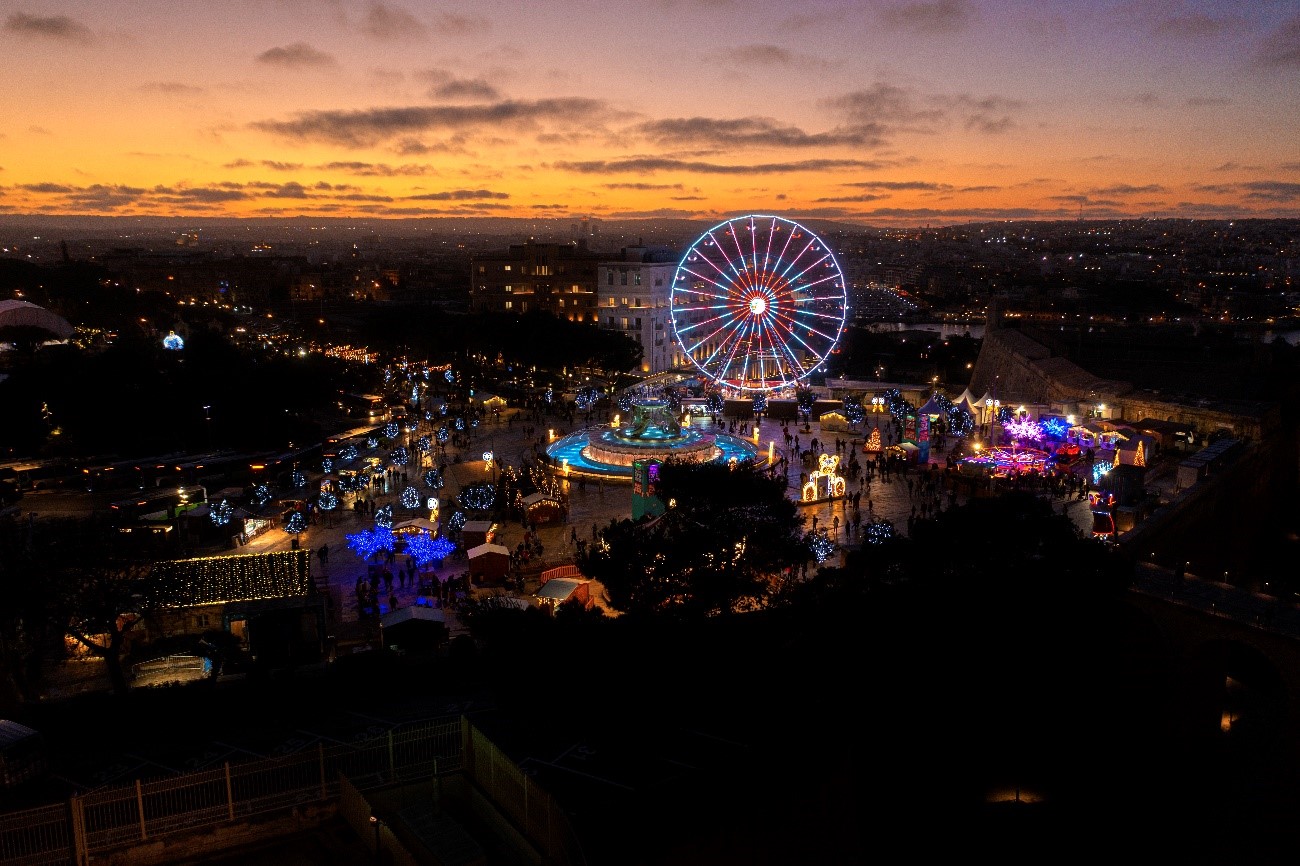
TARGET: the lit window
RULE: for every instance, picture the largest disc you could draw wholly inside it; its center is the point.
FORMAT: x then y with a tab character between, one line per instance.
636	278
509	304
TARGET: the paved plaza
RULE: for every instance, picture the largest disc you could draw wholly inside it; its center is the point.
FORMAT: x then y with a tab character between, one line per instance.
592	504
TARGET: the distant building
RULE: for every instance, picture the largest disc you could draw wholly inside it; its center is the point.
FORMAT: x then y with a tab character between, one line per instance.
558	278
634	294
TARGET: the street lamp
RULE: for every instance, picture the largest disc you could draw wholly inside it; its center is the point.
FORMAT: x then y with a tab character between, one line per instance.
375	822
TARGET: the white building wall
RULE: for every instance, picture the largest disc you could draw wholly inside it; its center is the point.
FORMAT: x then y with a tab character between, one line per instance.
632	292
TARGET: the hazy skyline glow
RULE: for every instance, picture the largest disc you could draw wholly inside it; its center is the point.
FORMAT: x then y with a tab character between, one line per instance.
883	113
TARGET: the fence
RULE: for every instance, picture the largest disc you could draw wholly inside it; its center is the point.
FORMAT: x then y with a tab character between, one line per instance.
532	809
101	820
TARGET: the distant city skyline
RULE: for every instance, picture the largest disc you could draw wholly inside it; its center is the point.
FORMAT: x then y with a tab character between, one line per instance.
889	113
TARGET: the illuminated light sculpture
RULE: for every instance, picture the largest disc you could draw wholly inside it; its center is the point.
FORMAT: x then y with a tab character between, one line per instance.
410	498
872	445
442	435
1023	428
1053	427
384	517
824	483
1099	470
221	513
433	479
399	457
806	400
460	423
173	342
625	401
1007	460
327	501
758	303
348	453
327	466
760	403
391	430
423	444
261	495
372	442
457	521
714	404
296	523
450	376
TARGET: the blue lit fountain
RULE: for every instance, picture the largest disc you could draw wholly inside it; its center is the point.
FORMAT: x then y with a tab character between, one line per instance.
655	433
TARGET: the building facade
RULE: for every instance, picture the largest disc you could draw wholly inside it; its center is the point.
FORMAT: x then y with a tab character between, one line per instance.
634	294
557	278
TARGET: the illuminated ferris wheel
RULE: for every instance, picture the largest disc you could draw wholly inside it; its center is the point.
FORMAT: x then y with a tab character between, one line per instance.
758	303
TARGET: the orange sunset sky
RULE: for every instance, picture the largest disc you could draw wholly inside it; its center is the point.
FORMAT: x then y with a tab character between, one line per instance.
881	113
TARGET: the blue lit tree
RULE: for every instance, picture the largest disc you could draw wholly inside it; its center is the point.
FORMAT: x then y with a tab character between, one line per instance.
433	480
327	501
348	453
327	466
587	397
854	412
296	523
820	545
714	404
411	498
399	457
261	495
805	399
760	403
424	548
391	430
625	401
384	517
298	479
368	542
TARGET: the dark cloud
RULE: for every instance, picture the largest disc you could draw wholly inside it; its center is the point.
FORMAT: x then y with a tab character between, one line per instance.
239	163
458	195
1216	188
1127	189
170	88
653	164
292	189
207	195
369	126
376	169
1145	97
104	197
884	103
59	27
938	16
467	89
46	187
866	196
281	166
1290	166
389	22
900	185
751	132
642	186
299	54
1281	48
657	213
1272	190
1193	26
758	55
1207	101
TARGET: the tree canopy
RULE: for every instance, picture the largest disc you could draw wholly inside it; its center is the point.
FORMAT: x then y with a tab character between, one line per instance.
721	546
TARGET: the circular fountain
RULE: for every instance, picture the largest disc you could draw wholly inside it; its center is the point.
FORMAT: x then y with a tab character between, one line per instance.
655	433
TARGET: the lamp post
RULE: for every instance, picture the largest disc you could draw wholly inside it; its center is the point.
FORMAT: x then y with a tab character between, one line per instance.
375	822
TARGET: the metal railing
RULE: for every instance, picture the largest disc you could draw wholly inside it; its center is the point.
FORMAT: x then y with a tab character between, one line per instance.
101	820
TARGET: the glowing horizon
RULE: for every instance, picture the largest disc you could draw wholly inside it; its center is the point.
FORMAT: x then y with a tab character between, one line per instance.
881	113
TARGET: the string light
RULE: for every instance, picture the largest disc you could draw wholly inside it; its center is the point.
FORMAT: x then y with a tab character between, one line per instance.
878	532
625	401
261	495
820	545
399	457
714	404
854	411
221	513
587	397
372	442
433	479
348	453
298	479
327	501
806	400
443	435
411	498
478	497
391	430
296	523
760	403
384	517
368	542
450	376
423	444
457	521
460	423
220	579
424	548
327	466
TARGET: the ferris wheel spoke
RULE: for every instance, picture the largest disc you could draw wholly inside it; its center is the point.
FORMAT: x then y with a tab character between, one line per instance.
727	288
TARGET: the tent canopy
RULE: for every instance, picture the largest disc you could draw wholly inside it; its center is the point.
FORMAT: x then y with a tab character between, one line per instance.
24	314
476	552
